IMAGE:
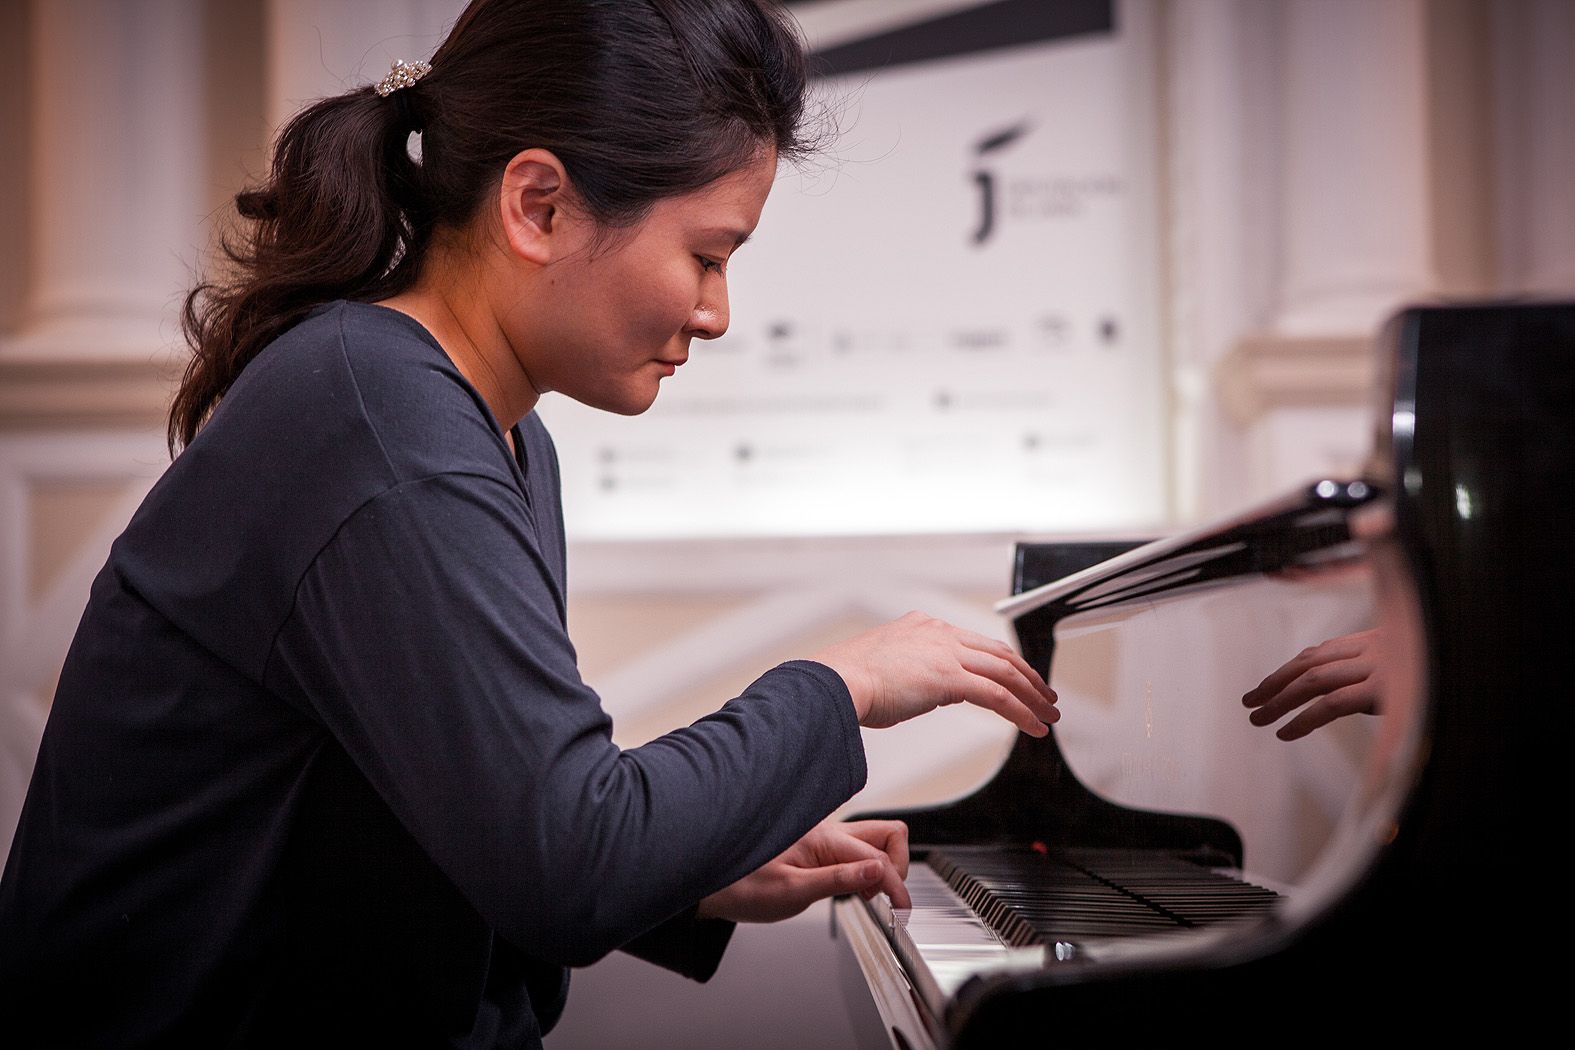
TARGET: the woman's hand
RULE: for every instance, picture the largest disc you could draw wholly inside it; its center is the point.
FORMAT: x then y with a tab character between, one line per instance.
913	665
865	857
1340	677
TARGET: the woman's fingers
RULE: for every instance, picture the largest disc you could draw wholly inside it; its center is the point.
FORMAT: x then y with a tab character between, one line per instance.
994	684
998	662
999	649
888	836
852	848
864	857
864	877
891	884
839	851
912	665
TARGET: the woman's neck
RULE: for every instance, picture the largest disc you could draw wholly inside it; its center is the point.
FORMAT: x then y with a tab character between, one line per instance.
450	300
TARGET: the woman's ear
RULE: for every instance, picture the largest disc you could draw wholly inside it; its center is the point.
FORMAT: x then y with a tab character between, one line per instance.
531	205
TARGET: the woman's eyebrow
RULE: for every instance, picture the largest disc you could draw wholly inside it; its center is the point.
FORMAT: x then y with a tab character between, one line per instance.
720	232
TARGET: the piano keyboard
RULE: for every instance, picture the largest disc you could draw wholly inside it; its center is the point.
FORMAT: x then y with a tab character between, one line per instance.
981	910
1028	897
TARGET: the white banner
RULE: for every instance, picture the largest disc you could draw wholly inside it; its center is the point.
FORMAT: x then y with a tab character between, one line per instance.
946	324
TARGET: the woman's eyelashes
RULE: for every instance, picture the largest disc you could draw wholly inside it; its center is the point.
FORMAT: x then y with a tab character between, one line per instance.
711	265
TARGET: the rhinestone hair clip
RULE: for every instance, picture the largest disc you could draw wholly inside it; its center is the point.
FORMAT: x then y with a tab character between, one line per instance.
402	75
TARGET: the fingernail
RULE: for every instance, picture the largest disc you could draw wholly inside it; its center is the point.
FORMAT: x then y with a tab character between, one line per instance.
871	870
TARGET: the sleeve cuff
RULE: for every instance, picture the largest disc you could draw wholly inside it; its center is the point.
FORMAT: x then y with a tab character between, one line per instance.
685	944
847	717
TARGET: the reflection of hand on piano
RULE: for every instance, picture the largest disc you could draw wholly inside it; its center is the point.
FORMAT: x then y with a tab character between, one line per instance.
1340	677
915	664
865	857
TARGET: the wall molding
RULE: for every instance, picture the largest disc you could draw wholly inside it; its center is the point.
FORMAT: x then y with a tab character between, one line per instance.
43	394
1264	372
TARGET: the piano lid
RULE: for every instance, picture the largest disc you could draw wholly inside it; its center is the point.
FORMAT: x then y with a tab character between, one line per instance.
1300	528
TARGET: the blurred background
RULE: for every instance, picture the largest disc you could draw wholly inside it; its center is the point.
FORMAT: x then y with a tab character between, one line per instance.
1078	269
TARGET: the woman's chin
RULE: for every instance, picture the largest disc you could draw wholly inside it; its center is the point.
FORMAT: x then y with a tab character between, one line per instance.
621	402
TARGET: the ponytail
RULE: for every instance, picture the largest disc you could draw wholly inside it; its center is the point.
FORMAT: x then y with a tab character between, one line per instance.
339	218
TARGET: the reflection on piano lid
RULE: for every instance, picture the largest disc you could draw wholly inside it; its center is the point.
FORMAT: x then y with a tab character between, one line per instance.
1157	856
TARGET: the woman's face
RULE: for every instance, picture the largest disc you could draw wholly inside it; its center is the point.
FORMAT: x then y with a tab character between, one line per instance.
615	319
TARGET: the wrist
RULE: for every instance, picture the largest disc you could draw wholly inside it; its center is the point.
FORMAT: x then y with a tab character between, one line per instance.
858	692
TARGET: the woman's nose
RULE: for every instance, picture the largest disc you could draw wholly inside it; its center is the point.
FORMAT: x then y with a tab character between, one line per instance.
710	318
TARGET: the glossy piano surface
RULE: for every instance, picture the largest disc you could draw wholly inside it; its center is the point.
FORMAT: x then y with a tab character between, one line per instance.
1160	851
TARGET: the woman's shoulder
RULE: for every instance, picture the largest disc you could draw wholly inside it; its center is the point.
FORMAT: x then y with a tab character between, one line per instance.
377	343
347	342
352	366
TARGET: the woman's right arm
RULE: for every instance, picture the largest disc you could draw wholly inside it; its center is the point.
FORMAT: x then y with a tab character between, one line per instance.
428	639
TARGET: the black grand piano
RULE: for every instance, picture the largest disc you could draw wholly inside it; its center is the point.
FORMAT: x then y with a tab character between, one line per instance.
1171	866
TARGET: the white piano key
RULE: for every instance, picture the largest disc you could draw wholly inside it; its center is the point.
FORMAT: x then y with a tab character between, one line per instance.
942	943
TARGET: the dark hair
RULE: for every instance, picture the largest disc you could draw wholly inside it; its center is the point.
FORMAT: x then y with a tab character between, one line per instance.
640	100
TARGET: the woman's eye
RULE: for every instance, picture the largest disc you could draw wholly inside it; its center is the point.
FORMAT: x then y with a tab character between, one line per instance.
709	265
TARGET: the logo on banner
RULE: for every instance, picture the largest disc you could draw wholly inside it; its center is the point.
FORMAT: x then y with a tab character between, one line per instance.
986	179
1033	197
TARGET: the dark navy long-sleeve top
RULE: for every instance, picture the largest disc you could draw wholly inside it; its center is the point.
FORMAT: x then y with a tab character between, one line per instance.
321	765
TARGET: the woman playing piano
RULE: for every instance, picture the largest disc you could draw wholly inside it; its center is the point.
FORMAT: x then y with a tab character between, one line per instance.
321	766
